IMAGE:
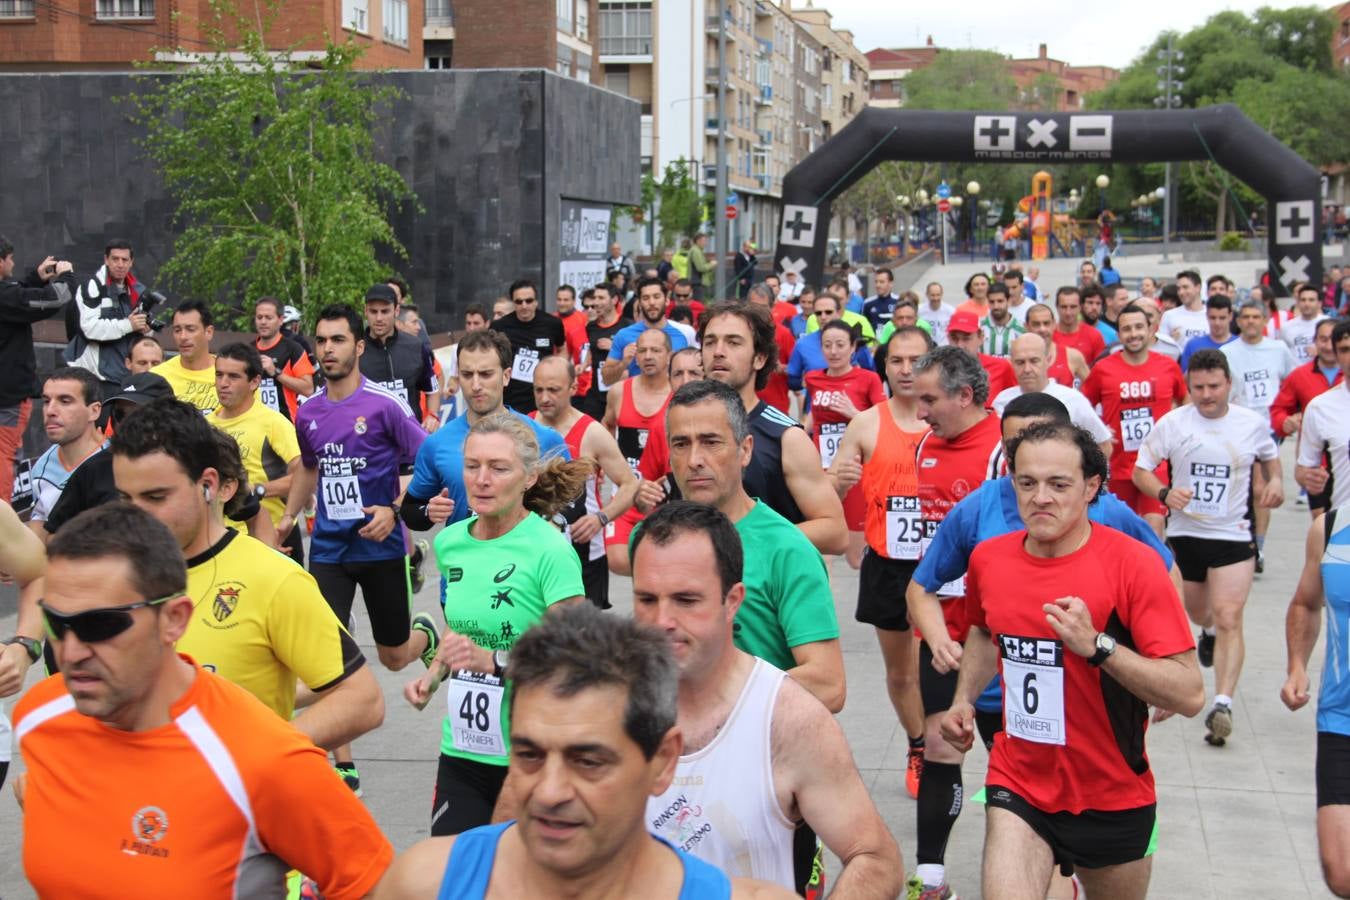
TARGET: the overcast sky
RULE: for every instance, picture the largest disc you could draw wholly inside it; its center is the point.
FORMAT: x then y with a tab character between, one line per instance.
1080	33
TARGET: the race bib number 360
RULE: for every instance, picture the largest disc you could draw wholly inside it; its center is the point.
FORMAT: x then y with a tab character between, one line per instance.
1033	688
475	709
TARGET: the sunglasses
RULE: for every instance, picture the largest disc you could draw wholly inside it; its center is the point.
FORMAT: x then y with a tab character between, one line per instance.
95	625
523	301
679	296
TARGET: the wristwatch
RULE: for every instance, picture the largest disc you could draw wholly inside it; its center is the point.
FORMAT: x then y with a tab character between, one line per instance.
393	507
1162	495
259	491
1106	645
499	660
33	647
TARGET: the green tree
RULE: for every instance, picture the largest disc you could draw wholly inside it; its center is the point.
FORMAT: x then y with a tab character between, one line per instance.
680	209
271	167
1276	66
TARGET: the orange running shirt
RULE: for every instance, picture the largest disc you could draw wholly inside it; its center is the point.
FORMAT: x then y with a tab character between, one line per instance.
893	524
219	803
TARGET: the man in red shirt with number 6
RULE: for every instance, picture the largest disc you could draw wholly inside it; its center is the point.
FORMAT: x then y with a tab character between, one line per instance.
1087	631
1135	387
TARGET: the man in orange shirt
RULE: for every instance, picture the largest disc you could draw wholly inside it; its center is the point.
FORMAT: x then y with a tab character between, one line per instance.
977	296
170	780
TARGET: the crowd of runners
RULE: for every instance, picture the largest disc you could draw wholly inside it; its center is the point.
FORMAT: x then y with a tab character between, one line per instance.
1056	501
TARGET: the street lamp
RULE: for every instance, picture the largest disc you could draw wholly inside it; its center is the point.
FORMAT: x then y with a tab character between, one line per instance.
973	189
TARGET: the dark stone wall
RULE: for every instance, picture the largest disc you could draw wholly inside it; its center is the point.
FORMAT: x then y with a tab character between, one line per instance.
488	152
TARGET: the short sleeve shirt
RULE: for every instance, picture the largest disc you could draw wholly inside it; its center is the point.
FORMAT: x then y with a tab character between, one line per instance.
1212	458
863	389
1133	399
1326	429
787	590
1073	737
267	444
495	590
531	341
357	444
630	333
1257	371
291	360
194	386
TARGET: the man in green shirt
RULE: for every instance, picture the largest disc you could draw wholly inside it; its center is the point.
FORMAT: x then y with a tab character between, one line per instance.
700	267
788	616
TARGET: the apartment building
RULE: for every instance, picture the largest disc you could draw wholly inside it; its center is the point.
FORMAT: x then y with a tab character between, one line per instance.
115	35
512	34
1068	84
787	89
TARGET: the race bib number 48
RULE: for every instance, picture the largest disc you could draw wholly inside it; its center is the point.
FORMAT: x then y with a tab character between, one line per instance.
1033	688
475	709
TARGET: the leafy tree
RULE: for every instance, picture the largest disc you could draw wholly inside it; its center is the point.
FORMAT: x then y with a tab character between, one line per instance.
679	207
272	169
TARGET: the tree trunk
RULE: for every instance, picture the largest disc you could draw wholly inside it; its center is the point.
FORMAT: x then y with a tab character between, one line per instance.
1221	214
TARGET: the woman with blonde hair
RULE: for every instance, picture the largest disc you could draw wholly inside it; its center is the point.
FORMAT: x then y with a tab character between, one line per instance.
504	567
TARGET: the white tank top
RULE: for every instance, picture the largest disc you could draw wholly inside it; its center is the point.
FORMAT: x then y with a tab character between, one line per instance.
721	806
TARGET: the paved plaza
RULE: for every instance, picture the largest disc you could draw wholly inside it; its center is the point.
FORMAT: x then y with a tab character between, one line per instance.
1234	822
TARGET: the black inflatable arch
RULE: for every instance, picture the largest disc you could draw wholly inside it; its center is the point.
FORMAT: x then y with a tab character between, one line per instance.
1291	186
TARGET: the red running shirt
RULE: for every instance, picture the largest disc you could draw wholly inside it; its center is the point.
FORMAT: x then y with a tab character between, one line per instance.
948	471
1073	738
1133	399
1086	340
1001	375
861	386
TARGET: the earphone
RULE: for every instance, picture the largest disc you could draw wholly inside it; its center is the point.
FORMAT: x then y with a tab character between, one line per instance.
206	492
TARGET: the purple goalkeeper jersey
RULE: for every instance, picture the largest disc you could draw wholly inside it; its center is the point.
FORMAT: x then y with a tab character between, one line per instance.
358	445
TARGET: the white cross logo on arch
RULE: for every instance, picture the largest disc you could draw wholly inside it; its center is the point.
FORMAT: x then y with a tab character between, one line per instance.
1041	134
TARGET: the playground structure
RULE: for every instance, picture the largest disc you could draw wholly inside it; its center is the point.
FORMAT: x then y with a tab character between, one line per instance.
1035	218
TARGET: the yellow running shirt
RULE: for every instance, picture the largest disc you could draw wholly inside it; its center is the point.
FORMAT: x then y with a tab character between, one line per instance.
259	620
195	386
267	444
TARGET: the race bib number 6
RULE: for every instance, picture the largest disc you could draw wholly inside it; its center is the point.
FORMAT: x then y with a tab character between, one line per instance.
475	710
1033	688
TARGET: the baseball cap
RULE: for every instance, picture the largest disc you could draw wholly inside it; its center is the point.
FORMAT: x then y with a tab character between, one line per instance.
966	322
382	293
143	388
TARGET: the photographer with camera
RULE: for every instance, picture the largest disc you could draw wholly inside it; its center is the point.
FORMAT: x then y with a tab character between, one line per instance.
39	296
108	313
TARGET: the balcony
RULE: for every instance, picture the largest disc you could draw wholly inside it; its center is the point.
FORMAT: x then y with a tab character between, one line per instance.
712	75
625	46
713	125
765	46
712	26
765	95
762	8
710	175
763	136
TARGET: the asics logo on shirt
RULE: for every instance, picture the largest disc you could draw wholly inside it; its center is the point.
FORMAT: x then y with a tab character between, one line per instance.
504	573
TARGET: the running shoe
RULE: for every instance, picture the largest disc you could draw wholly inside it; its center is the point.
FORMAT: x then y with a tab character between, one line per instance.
350	777
427	625
1204	648
421	549
1302	498
917	890
1260	562
1220	725
913	769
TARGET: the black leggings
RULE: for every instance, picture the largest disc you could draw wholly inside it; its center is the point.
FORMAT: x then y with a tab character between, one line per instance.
466	794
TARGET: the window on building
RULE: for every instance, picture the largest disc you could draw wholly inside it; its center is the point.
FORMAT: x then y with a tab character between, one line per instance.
355	14
565	60
16	9
119	9
584	67
583	29
438	12
829	95
625	28
394	15
617	81
566	15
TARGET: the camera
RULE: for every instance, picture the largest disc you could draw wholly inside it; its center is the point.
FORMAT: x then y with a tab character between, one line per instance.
150	302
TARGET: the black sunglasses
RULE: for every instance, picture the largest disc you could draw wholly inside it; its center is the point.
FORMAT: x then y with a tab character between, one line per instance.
524	300
95	625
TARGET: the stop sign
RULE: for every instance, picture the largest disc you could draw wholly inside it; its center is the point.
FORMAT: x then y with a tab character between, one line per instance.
731	212
944	205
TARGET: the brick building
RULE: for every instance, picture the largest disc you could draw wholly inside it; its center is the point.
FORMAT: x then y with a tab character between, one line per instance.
84	35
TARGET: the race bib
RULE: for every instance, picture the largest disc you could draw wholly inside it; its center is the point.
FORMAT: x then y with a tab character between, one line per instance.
904	528
1209	485
475	709
523	367
1033	688
342	497
1256	387
831	435
268	392
1135	425
955	588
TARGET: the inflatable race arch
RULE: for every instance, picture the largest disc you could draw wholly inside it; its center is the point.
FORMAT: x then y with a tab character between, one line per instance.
1291	186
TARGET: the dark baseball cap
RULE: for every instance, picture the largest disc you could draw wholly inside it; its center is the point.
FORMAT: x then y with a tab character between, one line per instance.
382	293
144	388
